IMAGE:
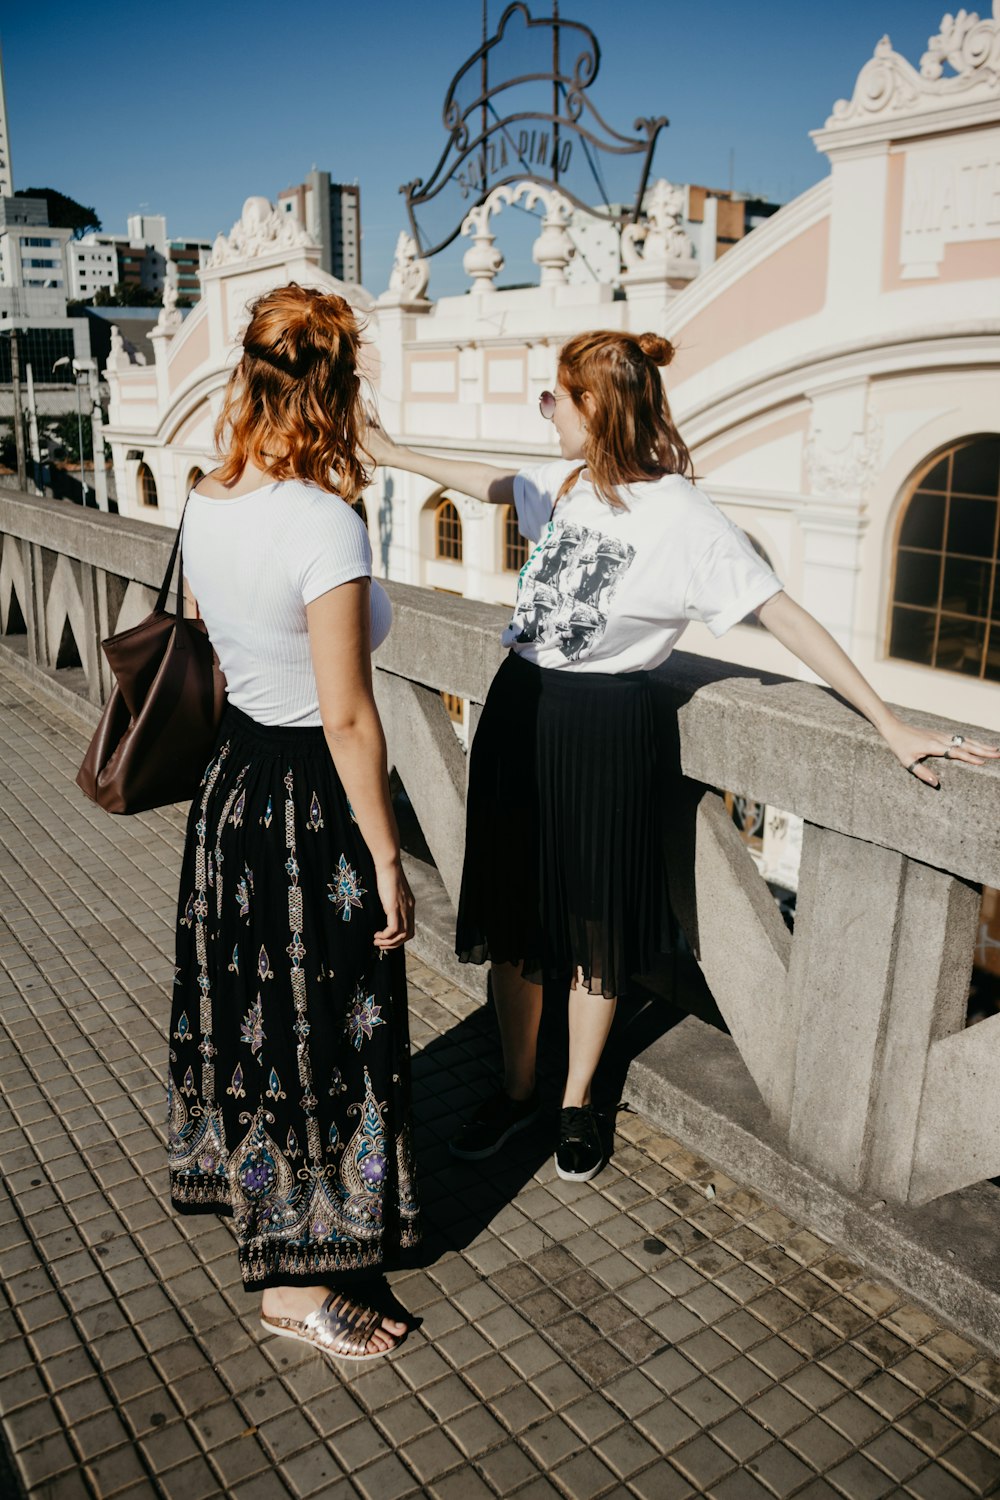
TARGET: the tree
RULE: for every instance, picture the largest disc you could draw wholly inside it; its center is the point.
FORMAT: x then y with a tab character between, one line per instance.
64	433
64	213
125	295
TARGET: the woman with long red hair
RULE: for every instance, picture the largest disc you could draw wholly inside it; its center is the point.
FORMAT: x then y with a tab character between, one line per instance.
563	876
289	1061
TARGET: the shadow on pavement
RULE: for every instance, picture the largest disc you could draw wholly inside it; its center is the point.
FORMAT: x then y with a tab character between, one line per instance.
454	1071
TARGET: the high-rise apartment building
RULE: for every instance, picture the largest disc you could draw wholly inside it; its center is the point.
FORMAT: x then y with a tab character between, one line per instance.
138	258
331	211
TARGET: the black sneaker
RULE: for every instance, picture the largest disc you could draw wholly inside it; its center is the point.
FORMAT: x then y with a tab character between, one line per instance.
492	1126
580	1154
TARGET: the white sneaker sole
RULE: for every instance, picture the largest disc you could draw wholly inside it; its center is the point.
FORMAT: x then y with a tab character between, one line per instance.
579	1176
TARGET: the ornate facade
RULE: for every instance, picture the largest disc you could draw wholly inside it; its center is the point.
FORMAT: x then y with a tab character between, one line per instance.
827	366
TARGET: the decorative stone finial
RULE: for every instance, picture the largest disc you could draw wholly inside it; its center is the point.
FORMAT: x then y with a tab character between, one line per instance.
552	251
170	320
410	276
659	246
260	230
483	261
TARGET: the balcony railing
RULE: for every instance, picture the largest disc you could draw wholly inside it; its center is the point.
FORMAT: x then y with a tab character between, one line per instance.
848	1042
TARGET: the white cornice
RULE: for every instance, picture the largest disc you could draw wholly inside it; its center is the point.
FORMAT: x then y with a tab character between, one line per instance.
893	101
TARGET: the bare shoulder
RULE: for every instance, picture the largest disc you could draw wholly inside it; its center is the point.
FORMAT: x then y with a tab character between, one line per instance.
212	488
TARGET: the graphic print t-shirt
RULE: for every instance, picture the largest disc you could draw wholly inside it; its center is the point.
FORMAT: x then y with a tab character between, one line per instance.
612	590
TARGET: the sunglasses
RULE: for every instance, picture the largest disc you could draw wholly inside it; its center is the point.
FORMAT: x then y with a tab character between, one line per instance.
547	403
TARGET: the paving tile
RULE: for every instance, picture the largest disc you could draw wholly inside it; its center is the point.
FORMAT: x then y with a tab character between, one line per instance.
776	1357
858	1479
814	1386
778	1410
739	1486
742	1379
550	1442
559	1385
466	1485
583	1477
818	1444
935	1483
633	1393
741	1436
386	1479
888	1395
661	1482
560	1357
912	1323
705	1402
779	1469
401	1421
974	1464
506	1468
475	1431
702	1461
962	1403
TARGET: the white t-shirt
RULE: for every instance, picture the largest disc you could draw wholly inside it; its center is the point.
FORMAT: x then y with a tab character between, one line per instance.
254	562
612	590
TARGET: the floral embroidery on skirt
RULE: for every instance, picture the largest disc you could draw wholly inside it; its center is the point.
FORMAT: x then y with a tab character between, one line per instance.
289	1090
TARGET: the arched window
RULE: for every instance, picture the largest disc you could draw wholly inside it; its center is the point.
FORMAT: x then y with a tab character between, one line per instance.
945	609
195	477
146	485
447	532
751	619
515	546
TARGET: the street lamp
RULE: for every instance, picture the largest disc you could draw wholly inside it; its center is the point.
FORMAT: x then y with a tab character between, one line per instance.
65	360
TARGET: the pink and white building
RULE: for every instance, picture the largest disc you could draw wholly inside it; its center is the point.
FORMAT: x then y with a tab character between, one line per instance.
836	377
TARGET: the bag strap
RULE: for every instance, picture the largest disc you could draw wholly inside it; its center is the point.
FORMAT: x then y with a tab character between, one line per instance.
176	555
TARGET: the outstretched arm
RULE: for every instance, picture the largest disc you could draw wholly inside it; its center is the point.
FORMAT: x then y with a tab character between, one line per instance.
813	644
481	481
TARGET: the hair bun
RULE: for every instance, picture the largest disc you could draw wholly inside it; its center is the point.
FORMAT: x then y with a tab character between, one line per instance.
659	350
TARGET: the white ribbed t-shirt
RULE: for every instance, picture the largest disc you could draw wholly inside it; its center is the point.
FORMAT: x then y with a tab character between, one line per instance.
253	563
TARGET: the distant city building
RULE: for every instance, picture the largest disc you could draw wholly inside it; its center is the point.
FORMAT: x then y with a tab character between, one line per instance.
33	290
33	283
137	259
32	253
331	212
92	266
6	170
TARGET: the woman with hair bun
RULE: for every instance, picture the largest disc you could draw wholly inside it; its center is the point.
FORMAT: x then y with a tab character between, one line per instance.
563	874
289	1061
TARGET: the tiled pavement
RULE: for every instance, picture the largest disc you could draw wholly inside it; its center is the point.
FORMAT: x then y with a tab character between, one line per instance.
658	1333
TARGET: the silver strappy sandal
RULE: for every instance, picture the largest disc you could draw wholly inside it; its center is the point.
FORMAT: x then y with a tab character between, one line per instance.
340	1328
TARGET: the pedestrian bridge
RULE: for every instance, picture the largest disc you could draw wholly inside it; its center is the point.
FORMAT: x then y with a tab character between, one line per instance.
846	1084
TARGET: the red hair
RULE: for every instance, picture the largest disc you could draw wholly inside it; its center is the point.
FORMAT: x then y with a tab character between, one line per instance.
293	403
631	435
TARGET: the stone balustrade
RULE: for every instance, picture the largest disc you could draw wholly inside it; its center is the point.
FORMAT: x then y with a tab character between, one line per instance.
849	1067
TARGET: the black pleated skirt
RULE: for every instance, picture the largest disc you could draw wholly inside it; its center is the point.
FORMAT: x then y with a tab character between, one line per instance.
289	1086
563	859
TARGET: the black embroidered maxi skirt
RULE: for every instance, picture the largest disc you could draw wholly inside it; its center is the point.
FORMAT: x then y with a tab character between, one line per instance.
289	1095
563	857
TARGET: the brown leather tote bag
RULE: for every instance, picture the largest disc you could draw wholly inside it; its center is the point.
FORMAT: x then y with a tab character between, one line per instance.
157	731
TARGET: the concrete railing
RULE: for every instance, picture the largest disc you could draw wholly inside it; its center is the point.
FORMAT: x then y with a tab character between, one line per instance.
849	1046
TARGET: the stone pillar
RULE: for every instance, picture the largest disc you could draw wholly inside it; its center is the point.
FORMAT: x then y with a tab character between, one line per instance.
880	965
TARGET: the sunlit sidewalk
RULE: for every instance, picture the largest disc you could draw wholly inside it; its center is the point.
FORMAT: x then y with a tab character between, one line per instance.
658	1333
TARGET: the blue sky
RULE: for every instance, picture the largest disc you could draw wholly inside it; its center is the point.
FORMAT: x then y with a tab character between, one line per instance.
187	112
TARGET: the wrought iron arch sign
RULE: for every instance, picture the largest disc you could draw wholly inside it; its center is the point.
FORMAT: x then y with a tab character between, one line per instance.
499	133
